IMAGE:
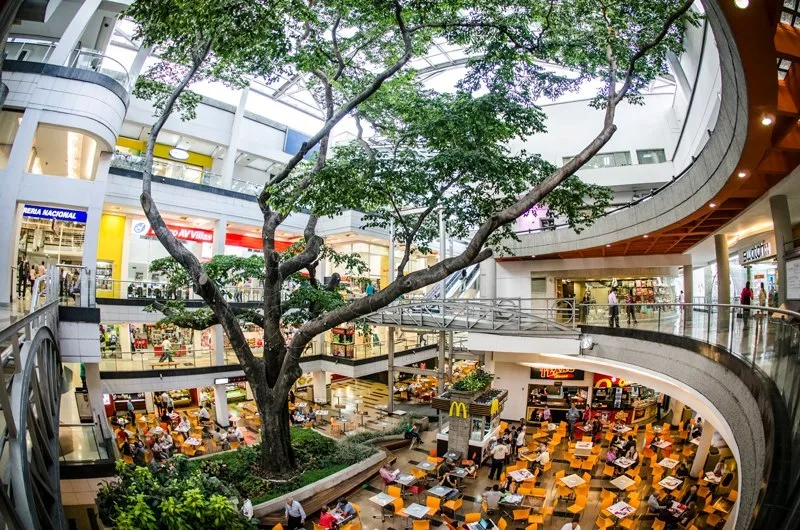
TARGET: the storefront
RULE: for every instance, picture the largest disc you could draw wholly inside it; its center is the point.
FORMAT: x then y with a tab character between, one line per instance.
50	234
557	388
754	260
615	399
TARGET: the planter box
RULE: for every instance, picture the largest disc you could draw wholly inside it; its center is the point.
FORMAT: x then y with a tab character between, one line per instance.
306	492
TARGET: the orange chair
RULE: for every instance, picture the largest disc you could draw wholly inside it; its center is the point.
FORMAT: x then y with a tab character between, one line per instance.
578	506
502	524
434	503
521	514
453	505
424	524
278	526
472	517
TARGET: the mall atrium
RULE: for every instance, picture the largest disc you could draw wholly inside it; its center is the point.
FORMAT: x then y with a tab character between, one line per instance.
399	264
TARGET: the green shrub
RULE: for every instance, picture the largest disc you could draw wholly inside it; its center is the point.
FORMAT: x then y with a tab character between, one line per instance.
474	381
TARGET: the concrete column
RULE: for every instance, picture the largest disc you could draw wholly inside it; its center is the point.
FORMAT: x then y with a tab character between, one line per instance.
488	362
12	182
723	269
320	386
723	282
72	35
782	225
677	411
149	403
390	371
95	388
700	457
220	232
229	162
440	363
219	345
221	405
138	63
488	286
688	285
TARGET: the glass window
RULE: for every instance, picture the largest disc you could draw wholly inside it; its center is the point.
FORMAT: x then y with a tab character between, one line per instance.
9	124
651	156
61	152
615	159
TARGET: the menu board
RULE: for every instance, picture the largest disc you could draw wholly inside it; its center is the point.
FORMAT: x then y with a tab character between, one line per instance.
793	279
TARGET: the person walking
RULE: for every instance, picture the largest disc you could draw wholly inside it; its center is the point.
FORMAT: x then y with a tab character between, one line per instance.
499	454
613	308
630	307
295	515
746	298
572	416
762	296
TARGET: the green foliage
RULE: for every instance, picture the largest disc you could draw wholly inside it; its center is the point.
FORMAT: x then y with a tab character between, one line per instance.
474	381
176	497
319	456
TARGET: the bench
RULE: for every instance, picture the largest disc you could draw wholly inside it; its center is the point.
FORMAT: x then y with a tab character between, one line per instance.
153	364
330	496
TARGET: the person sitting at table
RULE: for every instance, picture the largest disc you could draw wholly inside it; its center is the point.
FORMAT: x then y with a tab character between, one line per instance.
444	469
520	440
386	473
235	433
346	507
687	516
631	443
611	454
157	450
656	440
597	429
127	449
450	481
666	515
138	453
690	495
719	469
167	443
546	414
654	505
312	415
697	430
682	471
542	459
184	425
492	498
326	518
633	454
573	525
616	440
204	415
220	438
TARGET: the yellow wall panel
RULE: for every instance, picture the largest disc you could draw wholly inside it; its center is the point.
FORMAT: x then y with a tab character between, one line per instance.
109	245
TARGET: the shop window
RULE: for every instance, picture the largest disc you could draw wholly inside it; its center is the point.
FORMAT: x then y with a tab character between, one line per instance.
651	156
61	152
9	125
602	160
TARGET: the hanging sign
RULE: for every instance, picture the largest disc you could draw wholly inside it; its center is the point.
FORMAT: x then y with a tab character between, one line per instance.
198	235
458	408
59	214
757	252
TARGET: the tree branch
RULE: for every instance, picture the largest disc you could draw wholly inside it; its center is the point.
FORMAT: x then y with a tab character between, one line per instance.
191	322
309	254
348	107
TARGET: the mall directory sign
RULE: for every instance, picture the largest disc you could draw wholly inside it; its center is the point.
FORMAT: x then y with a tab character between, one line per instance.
59	214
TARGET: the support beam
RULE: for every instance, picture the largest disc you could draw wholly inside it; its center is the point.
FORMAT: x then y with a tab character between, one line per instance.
699	462
415	371
440	363
390	370
70	39
782	225
221	405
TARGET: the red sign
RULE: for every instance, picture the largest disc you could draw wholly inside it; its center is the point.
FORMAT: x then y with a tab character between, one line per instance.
183	233
607	381
252	242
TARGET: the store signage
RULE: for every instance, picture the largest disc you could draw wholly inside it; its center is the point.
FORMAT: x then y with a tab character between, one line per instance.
226	380
59	214
757	252
198	235
607	381
253	242
556	373
458	408
495	408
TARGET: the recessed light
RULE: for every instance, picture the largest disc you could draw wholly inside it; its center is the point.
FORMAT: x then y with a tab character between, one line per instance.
741	4
766	120
608	245
646	236
712	205
742	174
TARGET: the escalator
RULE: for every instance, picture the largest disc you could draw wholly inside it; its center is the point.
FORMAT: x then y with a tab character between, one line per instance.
458	286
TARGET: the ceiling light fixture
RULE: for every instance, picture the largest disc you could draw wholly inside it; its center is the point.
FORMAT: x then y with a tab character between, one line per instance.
742	174
742	4
766	121
712	205
178	153
608	245
646	236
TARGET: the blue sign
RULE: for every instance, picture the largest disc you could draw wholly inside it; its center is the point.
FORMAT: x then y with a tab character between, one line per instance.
59	214
294	140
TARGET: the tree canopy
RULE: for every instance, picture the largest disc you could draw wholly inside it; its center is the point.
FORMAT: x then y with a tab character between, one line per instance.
430	151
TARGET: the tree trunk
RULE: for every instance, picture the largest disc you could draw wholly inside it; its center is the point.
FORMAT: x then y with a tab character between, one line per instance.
277	456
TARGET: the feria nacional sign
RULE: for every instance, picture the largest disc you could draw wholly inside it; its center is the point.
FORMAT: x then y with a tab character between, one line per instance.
757	252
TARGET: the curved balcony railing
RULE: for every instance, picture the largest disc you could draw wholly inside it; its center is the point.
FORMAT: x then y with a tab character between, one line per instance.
82	59
168	169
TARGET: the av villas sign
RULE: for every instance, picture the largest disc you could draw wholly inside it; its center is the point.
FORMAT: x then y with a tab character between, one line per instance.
757	252
198	235
59	214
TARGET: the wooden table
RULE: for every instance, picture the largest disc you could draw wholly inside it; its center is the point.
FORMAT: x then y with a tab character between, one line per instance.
623	482
583	449
663	444
573	481
668	463
670	483
623	462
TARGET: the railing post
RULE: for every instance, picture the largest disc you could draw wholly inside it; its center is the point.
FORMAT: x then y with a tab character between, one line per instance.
659	318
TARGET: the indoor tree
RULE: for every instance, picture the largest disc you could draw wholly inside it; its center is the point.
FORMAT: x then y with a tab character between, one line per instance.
431	151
